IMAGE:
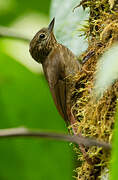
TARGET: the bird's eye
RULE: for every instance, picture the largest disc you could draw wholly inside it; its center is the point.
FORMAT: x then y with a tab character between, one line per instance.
42	36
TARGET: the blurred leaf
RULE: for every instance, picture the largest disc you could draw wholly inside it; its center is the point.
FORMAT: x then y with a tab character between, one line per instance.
25	100
68	24
18	8
114	161
107	70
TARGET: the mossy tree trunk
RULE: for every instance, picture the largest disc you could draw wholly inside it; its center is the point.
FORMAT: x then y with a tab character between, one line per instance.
95	117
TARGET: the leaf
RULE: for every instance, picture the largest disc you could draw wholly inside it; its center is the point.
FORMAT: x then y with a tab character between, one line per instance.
107	70
25	101
114	160
68	23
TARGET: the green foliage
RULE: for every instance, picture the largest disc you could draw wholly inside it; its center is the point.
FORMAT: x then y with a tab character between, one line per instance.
15	8
114	160
25	100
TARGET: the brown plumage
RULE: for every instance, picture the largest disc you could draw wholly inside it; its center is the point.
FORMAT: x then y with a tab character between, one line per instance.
58	63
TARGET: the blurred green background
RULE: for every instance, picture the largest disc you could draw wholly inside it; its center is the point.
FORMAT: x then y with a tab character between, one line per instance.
25	100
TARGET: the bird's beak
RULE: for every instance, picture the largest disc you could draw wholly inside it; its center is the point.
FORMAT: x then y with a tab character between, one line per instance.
51	25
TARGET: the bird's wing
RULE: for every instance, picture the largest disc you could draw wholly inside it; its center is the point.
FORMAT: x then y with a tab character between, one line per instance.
59	94
55	76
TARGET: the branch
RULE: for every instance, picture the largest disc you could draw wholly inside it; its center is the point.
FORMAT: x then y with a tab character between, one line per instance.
10	33
24	132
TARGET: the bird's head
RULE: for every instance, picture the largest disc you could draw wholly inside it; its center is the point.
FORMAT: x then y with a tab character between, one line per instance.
42	43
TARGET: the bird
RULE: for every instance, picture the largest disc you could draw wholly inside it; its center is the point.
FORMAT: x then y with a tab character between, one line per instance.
58	63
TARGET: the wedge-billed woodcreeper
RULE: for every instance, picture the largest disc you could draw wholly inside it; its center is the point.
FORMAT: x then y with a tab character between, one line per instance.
58	63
